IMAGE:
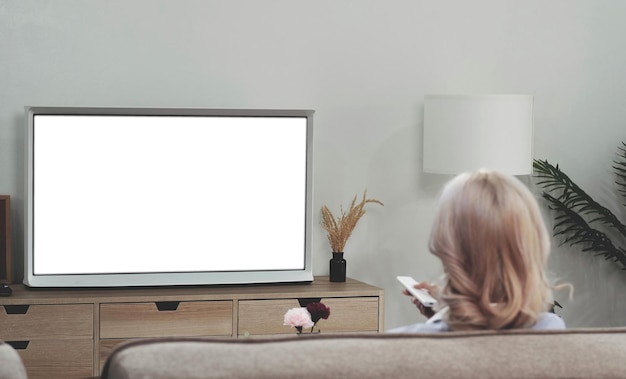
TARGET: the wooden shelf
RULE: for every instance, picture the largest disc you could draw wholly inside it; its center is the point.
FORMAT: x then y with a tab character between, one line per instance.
97	320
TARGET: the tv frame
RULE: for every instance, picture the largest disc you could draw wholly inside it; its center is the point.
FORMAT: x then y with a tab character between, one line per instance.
303	275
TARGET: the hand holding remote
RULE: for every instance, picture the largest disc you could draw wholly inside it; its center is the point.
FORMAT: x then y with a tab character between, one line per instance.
421	295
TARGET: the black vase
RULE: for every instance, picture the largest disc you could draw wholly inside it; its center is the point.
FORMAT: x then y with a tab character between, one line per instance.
337	268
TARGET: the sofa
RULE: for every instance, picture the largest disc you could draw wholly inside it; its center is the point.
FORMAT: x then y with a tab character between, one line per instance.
11	366
570	353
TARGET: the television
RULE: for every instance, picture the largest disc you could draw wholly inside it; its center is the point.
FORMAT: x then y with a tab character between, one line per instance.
165	196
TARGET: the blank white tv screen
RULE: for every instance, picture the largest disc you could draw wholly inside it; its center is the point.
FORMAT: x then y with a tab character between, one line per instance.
174	196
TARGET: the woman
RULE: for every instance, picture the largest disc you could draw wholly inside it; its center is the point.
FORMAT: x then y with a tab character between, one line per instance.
493	244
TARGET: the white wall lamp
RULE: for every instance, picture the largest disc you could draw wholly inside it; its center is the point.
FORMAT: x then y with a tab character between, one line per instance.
470	132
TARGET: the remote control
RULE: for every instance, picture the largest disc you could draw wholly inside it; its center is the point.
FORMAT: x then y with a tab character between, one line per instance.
421	295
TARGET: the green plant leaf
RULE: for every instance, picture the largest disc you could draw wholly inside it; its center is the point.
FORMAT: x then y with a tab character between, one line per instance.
619	165
555	181
576	211
575	230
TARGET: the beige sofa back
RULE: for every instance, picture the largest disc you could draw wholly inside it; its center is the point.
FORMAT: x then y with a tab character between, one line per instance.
573	353
11	366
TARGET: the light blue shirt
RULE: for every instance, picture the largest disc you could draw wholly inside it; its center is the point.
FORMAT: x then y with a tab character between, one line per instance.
545	321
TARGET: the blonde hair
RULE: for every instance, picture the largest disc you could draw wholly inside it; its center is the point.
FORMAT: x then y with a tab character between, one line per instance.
493	243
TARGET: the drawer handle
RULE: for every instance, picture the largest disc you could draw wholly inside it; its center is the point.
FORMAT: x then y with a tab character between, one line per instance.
167	305
18	345
16	309
306	301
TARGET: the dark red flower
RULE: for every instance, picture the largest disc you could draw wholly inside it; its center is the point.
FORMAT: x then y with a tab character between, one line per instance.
318	311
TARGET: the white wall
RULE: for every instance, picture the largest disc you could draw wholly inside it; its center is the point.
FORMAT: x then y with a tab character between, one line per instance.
364	67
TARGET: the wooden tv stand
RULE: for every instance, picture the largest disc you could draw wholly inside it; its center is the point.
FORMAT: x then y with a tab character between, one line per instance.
69	333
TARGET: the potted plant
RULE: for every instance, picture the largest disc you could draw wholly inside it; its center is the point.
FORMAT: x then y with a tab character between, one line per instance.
579	219
339	229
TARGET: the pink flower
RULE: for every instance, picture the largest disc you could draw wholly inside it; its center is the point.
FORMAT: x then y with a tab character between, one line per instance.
298	318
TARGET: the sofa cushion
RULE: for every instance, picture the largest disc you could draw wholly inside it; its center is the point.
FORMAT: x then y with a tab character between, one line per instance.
570	353
11	366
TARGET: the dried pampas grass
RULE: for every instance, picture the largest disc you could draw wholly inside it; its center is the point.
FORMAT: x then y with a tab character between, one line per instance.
340	229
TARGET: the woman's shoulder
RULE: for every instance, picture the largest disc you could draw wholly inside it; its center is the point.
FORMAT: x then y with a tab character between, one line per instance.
548	321
545	321
435	327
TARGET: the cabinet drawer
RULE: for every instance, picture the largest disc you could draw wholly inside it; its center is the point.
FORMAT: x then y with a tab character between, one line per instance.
27	322
56	358
353	314
107	347
160	319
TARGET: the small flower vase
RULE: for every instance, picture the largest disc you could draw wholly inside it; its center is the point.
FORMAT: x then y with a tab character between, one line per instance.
337	268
